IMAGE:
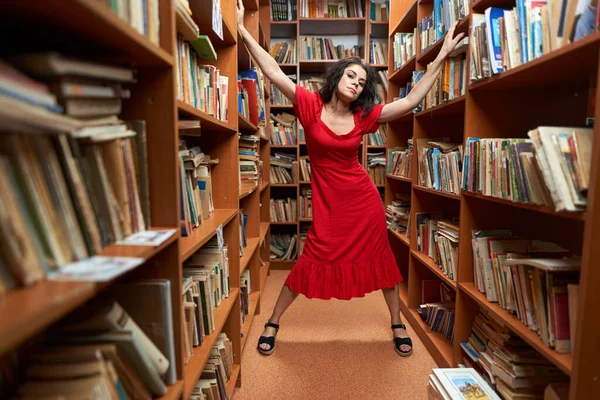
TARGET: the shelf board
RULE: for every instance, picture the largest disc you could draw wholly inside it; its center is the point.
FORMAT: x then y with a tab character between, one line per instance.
380	185
372	146
294	22
90	22
235	373
202	15
408	22
481	5
402	236
305	219
432	51
247	189
563	361
379	22
283	146
245	125
438	346
174	391
264	228
316	65
190	244
556	67
527	206
207	122
378	66
193	369
284	223
453	107
253	298
283	106
44	303
248	253
284	184
437	192
428	262
264	186
184	28
328	20
399	178
404	73
305	182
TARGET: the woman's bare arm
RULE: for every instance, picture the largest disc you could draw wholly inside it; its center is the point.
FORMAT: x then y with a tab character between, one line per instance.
400	107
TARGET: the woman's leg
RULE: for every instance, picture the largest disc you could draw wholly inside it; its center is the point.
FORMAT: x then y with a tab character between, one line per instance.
286	298
392	298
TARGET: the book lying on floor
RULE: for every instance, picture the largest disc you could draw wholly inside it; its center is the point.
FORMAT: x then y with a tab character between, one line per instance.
458	384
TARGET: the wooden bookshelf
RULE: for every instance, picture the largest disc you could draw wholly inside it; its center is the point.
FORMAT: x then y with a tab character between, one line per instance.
499	107
85	27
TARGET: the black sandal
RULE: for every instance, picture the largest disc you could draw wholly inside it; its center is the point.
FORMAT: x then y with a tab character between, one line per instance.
270	340
400	341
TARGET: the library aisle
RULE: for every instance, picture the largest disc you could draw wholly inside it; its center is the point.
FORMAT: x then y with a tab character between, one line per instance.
331	350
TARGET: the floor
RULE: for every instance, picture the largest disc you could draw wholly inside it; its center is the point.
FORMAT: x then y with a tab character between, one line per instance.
329	350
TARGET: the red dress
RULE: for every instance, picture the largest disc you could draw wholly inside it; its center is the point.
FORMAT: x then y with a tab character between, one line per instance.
347	253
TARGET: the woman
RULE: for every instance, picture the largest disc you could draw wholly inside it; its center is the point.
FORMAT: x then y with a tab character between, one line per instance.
346	253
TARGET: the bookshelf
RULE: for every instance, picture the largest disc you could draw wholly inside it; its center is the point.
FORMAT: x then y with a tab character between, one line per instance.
500	107
90	28
350	31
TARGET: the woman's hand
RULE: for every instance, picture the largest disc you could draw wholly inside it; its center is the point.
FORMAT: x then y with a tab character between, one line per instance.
240	13
450	41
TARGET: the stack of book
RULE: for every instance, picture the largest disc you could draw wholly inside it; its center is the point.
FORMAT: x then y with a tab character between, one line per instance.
216	373
525	32
68	195
398	213
445	13
306	202
437	307
305	168
404	48
313	84
284	52
249	158
378	52
283	210
283	246
329	9
195	186
507	362
277	98
440	164
243	220
379	10
251	89
142	15
318	48
109	348
378	138
245	290
376	167
531	279
201	86
400	161
551	168
282	168
206	284
283	129
438	239
283	10
304	228
450	84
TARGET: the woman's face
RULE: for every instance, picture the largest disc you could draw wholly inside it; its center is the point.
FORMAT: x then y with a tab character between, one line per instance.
352	82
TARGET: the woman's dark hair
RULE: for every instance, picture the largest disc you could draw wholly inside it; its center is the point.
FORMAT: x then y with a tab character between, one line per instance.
368	96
